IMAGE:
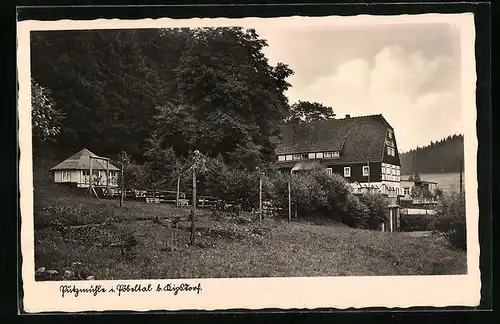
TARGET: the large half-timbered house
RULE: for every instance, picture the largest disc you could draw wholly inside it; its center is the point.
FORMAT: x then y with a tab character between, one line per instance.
361	149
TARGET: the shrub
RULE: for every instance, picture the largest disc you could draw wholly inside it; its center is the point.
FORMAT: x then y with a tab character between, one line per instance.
317	193
450	219
376	211
230	184
416	223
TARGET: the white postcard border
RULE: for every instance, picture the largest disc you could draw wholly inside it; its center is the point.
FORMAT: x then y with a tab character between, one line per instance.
258	293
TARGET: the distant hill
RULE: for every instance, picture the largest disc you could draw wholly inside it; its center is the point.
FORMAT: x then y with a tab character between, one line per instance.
443	156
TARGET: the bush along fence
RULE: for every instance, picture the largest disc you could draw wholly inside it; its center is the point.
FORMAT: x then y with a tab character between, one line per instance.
266	192
210	183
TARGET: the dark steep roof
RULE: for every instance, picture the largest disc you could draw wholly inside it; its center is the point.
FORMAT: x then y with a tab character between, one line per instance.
360	139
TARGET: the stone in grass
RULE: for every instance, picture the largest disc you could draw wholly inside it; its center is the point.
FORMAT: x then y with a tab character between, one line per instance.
69	274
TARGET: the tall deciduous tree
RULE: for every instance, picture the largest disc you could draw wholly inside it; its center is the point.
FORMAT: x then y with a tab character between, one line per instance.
45	117
305	111
230	100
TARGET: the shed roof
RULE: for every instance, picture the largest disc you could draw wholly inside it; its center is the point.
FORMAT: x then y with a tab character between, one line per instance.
81	161
358	138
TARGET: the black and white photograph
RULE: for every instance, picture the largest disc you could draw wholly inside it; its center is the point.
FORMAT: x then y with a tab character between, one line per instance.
231	159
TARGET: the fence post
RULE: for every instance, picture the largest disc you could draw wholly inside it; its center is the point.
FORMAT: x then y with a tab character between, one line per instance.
122	193
289	202
193	210
260	196
91	176
178	191
107	176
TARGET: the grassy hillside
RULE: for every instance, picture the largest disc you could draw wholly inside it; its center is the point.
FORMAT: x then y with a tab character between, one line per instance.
443	156
79	236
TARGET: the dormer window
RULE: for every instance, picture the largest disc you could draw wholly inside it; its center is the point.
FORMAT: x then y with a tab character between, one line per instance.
281	158
389	134
331	155
301	156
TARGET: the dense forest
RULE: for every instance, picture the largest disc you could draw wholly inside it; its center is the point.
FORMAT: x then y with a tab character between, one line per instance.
442	156
160	91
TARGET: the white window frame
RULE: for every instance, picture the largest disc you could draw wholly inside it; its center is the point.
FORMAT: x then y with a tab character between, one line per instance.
328	155
289	157
406	191
335	154
281	158
329	171
389	134
347	172
366	170
319	155
311	155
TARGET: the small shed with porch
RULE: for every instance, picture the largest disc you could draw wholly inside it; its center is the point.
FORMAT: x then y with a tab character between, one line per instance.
76	170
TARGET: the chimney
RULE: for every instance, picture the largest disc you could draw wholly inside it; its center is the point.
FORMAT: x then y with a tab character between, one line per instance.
347	116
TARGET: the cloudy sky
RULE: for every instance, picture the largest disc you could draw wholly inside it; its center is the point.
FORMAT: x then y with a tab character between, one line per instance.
410	73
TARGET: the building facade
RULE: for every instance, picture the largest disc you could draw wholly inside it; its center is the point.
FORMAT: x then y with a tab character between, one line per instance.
361	149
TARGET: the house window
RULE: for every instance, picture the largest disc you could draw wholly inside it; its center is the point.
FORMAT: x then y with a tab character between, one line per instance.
66	175
289	157
366	171
86	172
319	155
383	170
281	158
406	191
329	171
312	155
328	155
389	134
347	172
391	151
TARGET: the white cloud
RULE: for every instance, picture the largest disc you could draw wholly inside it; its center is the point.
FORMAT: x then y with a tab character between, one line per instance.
397	84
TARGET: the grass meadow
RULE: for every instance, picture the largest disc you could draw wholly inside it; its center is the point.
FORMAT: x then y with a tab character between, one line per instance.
81	237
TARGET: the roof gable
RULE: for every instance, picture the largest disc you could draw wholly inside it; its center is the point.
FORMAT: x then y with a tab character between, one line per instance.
359	139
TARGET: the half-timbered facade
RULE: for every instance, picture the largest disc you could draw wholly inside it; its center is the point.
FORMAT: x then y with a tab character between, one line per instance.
361	149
